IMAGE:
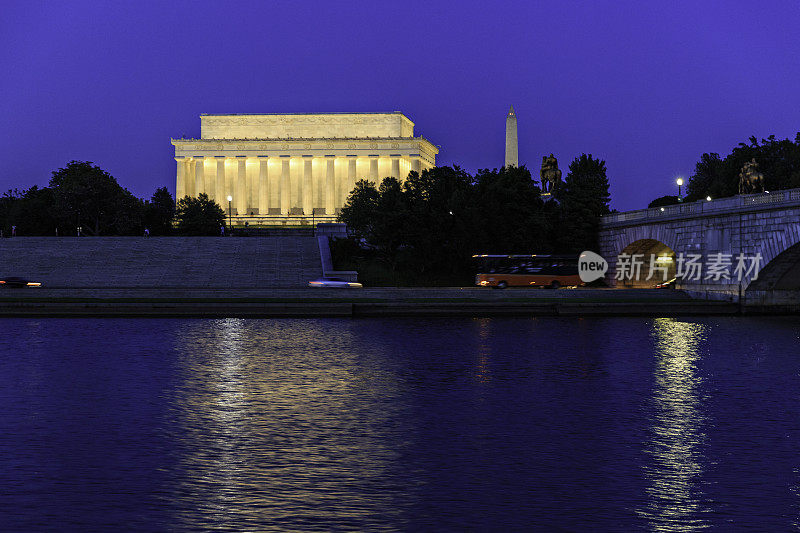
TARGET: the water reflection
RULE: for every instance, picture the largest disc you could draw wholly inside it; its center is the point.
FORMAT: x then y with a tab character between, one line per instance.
402	424
280	426
675	446
483	350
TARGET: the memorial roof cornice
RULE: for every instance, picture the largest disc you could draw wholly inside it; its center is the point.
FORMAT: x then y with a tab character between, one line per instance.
276	139
303	114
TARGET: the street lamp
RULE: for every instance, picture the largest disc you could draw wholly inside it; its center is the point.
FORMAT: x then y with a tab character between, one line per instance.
230	224
679	181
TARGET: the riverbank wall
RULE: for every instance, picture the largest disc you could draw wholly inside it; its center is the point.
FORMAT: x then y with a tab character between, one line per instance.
370	302
267	277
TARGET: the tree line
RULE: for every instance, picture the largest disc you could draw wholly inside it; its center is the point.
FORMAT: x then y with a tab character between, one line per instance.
718	177
82	195
433	222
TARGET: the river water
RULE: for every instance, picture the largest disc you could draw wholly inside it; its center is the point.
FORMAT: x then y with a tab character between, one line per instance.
610	424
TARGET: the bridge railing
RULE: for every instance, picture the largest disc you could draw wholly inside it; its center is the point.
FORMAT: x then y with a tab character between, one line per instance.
705	206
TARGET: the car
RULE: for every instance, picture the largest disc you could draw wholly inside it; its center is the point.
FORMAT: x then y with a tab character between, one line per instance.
667	284
338	283
16	282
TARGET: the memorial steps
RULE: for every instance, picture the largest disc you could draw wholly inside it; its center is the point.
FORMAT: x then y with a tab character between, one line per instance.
283	260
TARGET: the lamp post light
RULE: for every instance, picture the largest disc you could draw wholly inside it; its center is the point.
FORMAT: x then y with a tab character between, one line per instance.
230	223
679	181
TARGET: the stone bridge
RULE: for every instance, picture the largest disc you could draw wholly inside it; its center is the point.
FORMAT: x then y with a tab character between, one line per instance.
767	224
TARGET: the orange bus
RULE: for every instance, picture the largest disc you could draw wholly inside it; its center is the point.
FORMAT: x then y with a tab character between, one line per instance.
501	271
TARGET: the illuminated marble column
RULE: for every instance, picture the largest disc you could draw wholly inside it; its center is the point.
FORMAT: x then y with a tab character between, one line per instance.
284	188
240	196
306	190
189	181
180	185
263	185
252	185
416	164
209	179
273	186
330	176
396	167
373	168
351	173
222	194
199	185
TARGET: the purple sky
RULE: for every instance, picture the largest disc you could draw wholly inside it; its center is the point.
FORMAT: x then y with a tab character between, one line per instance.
646	88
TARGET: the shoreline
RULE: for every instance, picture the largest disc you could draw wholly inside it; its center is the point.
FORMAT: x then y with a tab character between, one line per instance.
373	302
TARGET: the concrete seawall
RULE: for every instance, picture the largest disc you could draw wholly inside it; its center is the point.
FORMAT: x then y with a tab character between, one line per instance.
267	277
387	302
351	310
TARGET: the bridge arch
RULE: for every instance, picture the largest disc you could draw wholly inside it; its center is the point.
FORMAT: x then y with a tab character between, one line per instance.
665	257
651	239
634	234
779	271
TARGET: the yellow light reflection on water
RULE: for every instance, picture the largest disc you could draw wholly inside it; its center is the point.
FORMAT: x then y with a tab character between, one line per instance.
674	499
275	424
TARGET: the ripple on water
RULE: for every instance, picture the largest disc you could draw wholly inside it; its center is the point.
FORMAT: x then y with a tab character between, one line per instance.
583	424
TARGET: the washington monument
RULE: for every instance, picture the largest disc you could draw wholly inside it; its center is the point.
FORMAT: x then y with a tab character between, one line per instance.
512	158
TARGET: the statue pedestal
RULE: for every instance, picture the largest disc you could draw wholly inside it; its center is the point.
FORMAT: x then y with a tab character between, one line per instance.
547	197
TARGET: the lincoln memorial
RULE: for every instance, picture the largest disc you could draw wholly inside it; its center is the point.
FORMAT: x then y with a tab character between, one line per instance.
302	165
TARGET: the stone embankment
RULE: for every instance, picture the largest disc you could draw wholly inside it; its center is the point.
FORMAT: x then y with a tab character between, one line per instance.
310	302
266	277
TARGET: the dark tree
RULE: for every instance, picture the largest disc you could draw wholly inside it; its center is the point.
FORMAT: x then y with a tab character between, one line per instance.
128	218
584	197
778	161
34	212
87	196
709	179
361	209
664	200
437	227
199	216
388	229
509	213
427	228
160	212
7	203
